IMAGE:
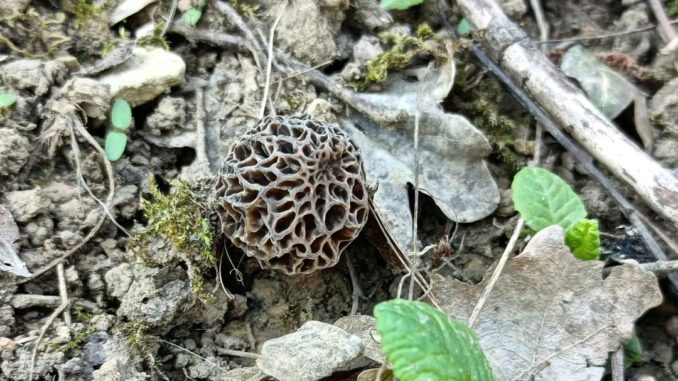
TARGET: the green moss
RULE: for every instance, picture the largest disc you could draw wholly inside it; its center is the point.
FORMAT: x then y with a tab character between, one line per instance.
404	50
247	9
155	38
83	11
74	344
672	8
181	219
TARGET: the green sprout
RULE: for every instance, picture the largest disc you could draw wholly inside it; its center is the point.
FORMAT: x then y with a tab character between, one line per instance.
121	120
544	199
7	100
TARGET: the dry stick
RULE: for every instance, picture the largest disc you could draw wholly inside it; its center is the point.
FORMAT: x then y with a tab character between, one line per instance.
667	32
497	271
111	192
63	292
618	365
541	20
669	242
43	330
170	18
571	109
22	301
191	353
662	268
269	62
415	257
646	28
582	157
222	40
357	291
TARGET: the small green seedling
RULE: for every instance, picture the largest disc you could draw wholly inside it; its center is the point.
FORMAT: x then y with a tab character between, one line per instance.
424	344
464	27
399	4
7	100
121	120
192	16
544	199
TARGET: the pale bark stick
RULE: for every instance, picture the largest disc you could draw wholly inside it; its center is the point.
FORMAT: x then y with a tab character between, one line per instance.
566	103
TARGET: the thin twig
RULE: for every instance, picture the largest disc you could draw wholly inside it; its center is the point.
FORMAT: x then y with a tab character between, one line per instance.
497	271
222	40
63	292
661	268
618	365
541	20
357	291
170	18
191	353
232	15
269	61
43	330
415	256
641	29
665	28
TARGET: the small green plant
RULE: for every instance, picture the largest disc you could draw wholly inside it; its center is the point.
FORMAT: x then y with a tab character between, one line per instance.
405	49
121	120
7	100
399	4
424	344
544	199
75	343
192	16
180	218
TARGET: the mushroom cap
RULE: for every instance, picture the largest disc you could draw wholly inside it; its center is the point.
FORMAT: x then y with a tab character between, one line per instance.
293	194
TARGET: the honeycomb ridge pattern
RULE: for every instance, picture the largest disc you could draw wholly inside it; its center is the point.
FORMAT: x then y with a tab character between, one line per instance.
293	194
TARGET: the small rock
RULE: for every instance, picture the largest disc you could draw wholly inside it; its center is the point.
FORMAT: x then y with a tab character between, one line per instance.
127	8
514	8
666	151
145	75
505	208
367	48
76	369
121	363
312	352
170	114
94	349
368	15
14	152
13	7
663	353
364	327
34	75
39	230
102	322
25	205
664	105
119	279
637	45
308	29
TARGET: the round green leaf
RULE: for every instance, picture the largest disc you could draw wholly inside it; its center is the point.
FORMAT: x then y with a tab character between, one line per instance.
544	199
424	344
464	27
192	16
399	4
115	145
7	99
121	114
584	240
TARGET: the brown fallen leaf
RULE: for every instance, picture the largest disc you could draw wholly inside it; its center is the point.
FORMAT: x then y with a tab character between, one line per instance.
550	315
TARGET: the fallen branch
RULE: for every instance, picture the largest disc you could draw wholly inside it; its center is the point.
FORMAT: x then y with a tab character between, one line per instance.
568	106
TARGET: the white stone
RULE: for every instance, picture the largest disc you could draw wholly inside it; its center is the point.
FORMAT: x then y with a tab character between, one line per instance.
145	75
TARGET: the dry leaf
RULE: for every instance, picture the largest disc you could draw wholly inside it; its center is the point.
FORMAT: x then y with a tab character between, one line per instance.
9	233
550	315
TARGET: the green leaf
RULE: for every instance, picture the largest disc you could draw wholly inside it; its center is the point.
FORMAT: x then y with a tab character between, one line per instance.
7	99
424	344
584	240
399	4
115	145
464	27
121	114
607	89
544	199
192	16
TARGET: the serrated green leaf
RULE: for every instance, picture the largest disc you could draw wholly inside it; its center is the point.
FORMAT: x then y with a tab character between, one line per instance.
115	145
424	344
7	99
121	114
607	89
464	27
544	199
192	17
399	4
584	240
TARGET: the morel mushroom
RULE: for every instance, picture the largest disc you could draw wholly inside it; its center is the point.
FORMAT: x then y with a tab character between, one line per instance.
293	194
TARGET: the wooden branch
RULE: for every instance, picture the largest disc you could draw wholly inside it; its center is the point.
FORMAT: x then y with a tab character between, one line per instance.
566	103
